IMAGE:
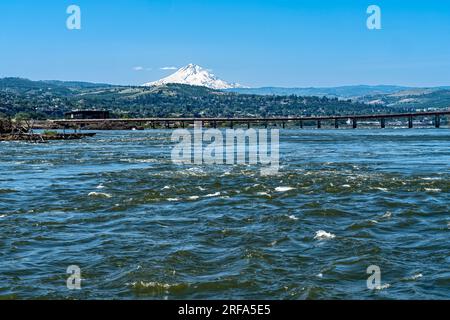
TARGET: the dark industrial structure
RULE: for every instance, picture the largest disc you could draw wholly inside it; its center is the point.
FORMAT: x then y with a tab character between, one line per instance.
86	114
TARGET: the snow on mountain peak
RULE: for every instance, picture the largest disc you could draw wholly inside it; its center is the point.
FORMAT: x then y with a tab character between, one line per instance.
195	75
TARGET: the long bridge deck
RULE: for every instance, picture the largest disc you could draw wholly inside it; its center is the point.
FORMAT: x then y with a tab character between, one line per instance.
249	120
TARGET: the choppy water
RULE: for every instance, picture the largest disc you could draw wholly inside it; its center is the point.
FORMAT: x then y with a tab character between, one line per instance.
142	227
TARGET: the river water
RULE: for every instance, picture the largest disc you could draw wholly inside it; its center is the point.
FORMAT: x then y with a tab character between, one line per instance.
140	227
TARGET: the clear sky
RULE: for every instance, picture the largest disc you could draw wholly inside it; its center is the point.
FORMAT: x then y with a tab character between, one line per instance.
291	43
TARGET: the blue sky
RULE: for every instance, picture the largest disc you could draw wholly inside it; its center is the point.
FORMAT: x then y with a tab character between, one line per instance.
257	43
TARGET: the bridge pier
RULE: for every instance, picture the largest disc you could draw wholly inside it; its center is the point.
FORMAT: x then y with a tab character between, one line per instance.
383	123
319	124
437	121
336	123
80	128
410	122
301	124
248	125
284	125
231	125
355	123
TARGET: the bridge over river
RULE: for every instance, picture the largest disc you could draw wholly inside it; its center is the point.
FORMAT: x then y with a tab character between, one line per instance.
335	120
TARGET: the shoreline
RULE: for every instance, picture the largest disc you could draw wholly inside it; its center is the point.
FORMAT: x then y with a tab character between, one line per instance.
41	138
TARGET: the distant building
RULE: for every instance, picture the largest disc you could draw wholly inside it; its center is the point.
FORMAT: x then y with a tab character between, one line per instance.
87	114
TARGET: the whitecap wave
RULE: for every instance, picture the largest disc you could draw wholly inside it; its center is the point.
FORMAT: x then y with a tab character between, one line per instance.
100	195
145	160
387	215
283	189
416	276
323	235
432	190
383	287
212	195
156	285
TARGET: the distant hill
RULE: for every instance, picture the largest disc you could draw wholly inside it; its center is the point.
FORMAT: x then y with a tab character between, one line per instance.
347	92
20	85
76	84
51	99
423	99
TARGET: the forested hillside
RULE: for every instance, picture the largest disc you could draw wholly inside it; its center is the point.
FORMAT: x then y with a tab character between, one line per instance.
50	99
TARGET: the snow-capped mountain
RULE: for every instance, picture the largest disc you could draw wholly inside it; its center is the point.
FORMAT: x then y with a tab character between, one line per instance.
195	75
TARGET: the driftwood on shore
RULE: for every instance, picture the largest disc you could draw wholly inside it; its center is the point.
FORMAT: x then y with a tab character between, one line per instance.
22	130
37	138
107	125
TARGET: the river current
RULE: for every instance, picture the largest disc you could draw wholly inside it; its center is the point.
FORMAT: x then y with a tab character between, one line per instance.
141	227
